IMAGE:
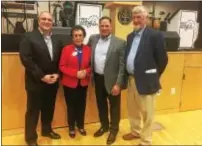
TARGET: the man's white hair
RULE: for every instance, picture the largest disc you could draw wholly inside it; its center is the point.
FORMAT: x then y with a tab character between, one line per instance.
42	12
140	9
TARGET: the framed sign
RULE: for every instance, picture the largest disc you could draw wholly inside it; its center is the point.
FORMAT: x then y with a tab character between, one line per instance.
187	28
88	15
184	22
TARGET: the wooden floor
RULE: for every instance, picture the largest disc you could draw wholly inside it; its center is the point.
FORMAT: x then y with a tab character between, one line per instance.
183	128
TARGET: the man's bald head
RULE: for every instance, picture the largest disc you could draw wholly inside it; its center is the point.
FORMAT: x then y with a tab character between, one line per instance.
44	12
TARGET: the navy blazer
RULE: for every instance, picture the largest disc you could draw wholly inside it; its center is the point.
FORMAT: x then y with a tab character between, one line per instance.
150	61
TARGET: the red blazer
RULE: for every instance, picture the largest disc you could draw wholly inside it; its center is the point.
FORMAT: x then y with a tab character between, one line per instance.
69	66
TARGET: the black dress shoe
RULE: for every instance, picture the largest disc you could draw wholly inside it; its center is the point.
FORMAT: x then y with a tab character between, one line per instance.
100	132
82	132
72	133
32	143
111	138
51	135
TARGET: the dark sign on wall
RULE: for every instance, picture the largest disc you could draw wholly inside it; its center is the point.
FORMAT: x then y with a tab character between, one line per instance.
125	15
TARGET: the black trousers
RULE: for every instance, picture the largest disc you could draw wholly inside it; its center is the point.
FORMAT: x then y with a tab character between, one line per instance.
76	104
40	101
114	105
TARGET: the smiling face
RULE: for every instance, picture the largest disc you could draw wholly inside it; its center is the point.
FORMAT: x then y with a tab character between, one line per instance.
139	16
139	20
105	27
45	22
78	37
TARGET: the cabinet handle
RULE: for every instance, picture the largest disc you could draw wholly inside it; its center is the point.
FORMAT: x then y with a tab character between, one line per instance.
183	77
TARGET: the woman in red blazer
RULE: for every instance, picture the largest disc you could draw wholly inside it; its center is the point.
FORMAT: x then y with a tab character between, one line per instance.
76	70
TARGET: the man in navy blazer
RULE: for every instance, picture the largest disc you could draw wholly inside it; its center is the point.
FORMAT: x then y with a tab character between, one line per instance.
146	60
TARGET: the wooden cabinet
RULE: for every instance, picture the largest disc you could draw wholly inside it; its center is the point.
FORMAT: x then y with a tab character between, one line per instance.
14	98
176	95
171	82
13	93
193	60
191	96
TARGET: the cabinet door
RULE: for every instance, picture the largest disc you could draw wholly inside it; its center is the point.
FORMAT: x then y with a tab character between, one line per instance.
13	92
91	114
171	82
191	97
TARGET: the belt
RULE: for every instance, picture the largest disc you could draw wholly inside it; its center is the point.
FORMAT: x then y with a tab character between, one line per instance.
99	74
130	74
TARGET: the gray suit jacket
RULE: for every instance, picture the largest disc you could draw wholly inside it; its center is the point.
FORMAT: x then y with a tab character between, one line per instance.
115	63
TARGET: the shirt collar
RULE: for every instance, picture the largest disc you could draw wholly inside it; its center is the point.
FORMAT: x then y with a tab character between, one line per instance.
49	35
107	38
139	32
78	47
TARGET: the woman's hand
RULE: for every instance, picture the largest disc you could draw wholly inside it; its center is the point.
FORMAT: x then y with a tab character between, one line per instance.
81	74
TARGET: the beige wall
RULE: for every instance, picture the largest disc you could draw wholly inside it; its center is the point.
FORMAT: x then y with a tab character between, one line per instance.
106	12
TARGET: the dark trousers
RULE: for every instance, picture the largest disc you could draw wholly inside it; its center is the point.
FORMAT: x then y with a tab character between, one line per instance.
114	105
76	104
39	101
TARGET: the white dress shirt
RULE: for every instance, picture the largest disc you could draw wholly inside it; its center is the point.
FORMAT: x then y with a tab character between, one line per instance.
101	50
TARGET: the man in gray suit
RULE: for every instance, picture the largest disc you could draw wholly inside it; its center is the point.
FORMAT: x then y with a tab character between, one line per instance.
108	73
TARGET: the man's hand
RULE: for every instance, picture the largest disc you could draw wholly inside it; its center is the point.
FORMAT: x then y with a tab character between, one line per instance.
46	78
50	78
54	78
116	90
81	74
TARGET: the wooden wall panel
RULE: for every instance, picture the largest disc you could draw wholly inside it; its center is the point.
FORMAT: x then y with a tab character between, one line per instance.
14	95
192	89
193	60
171	82
60	116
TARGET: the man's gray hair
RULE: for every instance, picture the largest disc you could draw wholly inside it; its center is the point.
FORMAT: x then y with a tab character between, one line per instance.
42	12
140	9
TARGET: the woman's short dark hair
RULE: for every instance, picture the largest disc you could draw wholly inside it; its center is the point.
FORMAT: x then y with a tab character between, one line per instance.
76	28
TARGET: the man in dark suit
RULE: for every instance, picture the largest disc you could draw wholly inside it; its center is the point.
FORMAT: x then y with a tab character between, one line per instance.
40	53
108	71
146	60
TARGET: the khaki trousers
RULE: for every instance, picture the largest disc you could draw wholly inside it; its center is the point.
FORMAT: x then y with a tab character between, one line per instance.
140	109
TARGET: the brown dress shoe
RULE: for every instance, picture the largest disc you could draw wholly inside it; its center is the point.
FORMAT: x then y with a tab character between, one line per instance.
130	136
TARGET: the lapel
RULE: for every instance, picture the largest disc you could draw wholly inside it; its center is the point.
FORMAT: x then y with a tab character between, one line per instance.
54	47
43	45
142	40
130	41
84	56
110	48
94	43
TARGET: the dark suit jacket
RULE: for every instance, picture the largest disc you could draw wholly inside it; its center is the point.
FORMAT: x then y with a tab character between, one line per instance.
36	59
151	55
